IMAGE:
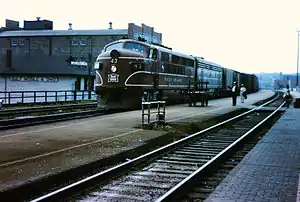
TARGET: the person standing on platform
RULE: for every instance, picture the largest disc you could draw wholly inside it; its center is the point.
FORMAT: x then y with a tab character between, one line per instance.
243	93
234	94
288	98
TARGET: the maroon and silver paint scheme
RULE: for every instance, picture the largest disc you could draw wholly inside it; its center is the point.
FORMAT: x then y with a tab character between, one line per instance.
124	77
129	71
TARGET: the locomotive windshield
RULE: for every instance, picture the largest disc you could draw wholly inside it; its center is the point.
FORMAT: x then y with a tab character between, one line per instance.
135	47
128	45
114	46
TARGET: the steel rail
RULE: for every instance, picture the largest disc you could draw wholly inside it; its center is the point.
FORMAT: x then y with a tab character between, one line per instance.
172	193
140	159
35	120
29	110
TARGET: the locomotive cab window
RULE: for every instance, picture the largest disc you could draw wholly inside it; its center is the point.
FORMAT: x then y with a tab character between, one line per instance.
153	54
135	47
114	46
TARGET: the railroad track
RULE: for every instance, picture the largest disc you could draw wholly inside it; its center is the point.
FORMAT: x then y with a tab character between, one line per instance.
44	109
163	173
202	190
54	117
22	117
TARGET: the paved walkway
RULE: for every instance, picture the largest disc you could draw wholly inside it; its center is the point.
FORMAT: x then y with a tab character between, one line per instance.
270	171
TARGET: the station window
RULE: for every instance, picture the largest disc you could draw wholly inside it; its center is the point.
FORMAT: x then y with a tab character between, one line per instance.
14	43
85	83
78	84
82	42
74	42
21	42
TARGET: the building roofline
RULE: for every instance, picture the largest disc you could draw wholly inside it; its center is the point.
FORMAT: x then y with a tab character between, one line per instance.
38	33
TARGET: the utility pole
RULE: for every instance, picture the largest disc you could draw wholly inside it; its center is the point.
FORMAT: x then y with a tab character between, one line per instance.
297	61
90	64
89	76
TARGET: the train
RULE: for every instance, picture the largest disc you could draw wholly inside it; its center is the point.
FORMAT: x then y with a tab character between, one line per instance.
130	71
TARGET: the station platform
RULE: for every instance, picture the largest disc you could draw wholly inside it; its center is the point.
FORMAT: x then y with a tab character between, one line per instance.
270	171
31	153
295	94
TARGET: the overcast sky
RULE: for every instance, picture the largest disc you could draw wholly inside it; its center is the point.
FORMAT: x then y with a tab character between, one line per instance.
246	35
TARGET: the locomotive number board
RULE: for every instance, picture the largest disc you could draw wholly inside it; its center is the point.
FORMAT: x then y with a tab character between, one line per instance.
113	78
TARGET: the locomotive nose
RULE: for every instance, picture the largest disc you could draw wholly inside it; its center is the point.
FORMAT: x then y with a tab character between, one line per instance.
114	53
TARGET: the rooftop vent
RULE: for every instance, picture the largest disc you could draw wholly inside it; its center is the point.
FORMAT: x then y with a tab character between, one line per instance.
70	26
110	25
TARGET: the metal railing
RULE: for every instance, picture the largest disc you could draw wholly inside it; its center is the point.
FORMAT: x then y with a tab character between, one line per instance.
22	97
159	111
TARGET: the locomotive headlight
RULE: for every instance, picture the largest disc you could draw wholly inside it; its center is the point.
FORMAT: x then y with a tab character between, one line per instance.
113	68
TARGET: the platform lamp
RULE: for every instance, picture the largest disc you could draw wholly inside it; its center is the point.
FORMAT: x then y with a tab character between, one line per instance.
297	86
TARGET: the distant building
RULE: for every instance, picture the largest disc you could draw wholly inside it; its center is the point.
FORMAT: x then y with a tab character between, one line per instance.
279	84
10	25
266	80
290	80
36	57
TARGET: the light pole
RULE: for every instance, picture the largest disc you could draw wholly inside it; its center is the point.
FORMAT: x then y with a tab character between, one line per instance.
297	60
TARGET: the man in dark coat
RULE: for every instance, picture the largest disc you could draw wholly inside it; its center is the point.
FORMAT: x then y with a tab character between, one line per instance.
288	98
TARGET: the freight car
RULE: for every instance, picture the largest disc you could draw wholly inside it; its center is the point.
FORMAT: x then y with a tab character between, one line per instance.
130	71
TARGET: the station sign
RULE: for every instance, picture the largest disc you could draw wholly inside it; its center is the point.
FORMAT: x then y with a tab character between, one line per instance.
79	63
34	79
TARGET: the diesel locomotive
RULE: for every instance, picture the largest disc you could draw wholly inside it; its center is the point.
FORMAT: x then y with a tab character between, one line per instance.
129	71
